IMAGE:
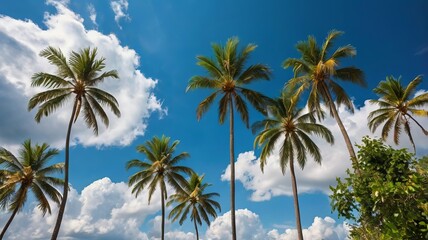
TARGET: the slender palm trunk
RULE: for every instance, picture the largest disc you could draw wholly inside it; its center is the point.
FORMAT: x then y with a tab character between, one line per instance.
9	222
296	201
342	128
196	229
66	169
163	214
423	129
232	172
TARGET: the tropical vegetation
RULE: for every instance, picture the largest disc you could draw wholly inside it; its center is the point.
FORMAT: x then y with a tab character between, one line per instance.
76	80
288	128
159	169
396	107
317	70
194	201
389	198
227	78
384	195
29	172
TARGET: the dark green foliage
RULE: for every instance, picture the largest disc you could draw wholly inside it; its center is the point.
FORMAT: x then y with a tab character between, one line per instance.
388	199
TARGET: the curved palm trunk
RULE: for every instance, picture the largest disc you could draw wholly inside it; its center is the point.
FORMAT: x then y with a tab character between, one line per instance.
163	214
296	201
232	173
8	223
342	128
66	168
196	229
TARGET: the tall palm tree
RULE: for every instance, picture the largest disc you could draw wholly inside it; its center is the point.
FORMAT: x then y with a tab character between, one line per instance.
193	199
396	107
318	70
28	172
227	77
289	128
78	78
159	169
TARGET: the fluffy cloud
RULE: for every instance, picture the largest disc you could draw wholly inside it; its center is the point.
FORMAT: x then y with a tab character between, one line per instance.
321	229
119	8
21	43
248	226
108	210
315	177
92	14
103	210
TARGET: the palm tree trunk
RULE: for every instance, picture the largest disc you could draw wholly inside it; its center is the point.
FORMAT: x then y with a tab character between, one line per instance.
66	169
196	229
296	201
9	222
232	172
342	128
163	213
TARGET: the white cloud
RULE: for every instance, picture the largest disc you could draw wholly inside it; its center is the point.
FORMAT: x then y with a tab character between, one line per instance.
119	8
315	177
93	14
248	226
107	210
321	229
21	43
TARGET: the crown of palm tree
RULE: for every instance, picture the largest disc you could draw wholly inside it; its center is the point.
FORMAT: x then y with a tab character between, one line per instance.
78	77
227	76
318	69
396	107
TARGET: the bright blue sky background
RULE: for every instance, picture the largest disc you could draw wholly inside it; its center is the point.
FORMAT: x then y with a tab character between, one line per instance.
391	38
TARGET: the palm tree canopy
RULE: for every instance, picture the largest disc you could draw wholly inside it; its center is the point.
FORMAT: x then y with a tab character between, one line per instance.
396	105
29	172
286	121
193	199
227	77
159	168
318	69
76	77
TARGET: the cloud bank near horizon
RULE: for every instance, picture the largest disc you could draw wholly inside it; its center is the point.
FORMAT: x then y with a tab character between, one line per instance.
108	210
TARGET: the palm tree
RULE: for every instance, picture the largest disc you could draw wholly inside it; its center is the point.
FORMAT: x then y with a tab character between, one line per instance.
78	78
396	107
289	128
318	70
227	77
194	200
160	168
28	172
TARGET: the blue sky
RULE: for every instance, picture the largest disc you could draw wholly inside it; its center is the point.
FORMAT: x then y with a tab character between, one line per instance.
153	45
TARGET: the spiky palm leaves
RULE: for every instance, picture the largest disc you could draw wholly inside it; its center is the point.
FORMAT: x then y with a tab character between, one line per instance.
28	172
193	200
159	169
287	127
227	77
396	107
78	78
318	70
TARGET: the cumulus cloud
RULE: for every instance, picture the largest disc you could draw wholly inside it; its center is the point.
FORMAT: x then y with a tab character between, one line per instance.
119	8
321	229
21	43
315	177
108	210
248	226
103	210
